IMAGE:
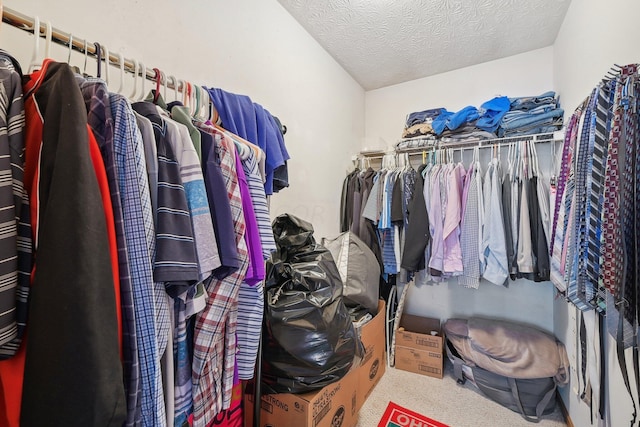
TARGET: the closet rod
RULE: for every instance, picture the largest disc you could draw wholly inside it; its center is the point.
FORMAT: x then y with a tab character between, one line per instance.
26	23
437	145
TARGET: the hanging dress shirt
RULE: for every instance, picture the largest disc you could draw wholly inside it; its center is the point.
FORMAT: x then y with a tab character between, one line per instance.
219	207
525	259
192	180
151	317
436	221
151	158
452	258
494	246
469	236
251	298
215	327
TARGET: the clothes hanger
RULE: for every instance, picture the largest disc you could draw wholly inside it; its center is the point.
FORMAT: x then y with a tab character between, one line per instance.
174	82
86	55
99	59
106	64
205	102
143	69
47	45
207	105
163	76
158	78
192	99
135	79
553	180
186	96
36	46
509	154
70	48
121	63
534	154
196	90
238	139
199	104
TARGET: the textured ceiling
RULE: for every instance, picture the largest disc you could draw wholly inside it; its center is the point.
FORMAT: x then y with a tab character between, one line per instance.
385	42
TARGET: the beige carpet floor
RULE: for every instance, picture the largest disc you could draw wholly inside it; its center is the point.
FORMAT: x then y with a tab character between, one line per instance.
443	400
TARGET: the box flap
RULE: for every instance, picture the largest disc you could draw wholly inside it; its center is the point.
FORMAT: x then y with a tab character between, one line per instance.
419	324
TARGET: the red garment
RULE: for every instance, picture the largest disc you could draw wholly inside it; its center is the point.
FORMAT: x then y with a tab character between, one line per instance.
101	175
11	372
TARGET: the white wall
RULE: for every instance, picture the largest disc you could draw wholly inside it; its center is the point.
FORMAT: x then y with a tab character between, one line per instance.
529	73
594	36
251	47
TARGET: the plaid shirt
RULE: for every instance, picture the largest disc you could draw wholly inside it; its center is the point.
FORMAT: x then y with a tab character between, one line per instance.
140	236
214	355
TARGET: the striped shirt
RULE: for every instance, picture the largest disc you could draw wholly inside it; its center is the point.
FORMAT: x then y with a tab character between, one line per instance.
207	255
15	227
175	263
251	298
193	182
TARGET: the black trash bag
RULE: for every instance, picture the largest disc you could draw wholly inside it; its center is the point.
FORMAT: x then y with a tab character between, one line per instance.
308	338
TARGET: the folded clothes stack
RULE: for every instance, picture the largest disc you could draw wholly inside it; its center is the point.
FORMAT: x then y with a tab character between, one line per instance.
532	114
498	117
420	123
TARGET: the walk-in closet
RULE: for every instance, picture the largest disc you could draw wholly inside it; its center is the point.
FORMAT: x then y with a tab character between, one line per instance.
282	213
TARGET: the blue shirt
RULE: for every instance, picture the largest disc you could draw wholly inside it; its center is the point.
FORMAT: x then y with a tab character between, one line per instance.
138	224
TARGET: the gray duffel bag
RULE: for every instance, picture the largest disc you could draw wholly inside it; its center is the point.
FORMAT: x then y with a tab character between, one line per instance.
517	366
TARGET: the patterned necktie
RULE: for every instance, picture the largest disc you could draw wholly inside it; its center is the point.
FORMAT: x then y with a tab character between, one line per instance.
603	122
618	212
577	291
559	226
629	285
611	256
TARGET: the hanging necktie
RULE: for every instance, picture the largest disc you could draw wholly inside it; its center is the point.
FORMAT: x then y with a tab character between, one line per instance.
603	124
610	249
559	226
619	255
629	286
577	290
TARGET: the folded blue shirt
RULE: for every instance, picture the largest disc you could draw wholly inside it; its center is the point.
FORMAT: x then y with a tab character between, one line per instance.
453	121
492	112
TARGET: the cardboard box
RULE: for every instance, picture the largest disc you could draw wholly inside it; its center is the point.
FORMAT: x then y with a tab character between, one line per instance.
334	405
374	362
337	404
415	332
421	362
417	349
